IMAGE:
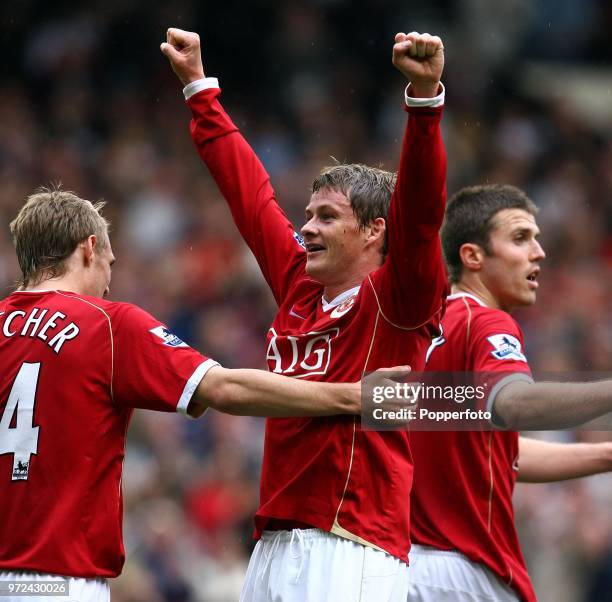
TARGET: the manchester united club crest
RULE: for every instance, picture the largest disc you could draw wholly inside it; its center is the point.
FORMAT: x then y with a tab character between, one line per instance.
343	308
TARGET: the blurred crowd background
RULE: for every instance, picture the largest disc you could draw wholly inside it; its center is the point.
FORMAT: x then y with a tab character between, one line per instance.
87	99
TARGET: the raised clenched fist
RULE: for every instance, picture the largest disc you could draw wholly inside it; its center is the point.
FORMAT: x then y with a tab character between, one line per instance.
420	57
183	51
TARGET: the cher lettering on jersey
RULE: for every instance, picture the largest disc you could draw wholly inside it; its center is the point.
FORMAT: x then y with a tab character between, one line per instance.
300	355
52	329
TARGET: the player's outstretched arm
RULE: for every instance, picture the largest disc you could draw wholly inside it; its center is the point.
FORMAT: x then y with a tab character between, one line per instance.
521	406
414	261
545	461
241	177
245	392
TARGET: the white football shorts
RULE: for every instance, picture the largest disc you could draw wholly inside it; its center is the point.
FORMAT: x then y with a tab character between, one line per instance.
310	565
440	576
23	586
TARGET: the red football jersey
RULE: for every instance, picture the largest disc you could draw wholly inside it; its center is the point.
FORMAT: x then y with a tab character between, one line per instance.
73	369
328	472
463	481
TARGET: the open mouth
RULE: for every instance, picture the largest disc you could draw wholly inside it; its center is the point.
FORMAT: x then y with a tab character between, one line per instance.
533	277
314	248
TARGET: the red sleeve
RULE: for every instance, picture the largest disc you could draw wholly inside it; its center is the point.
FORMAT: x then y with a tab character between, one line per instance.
411	285
497	348
244	183
152	368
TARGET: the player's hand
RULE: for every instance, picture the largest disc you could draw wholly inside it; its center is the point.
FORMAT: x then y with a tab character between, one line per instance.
384	403
420	57
183	51
385	376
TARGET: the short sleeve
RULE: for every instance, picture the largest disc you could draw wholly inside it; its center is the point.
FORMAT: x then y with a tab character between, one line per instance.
496	347
152	368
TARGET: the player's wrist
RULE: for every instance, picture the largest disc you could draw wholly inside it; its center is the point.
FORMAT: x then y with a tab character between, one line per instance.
192	76
424	89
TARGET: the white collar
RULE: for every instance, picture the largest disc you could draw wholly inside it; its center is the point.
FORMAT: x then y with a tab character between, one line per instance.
341	298
463	294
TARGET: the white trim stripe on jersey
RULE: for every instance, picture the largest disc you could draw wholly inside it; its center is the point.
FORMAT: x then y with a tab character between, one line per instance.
468	333
382	313
192	383
491	483
110	331
337	528
469	295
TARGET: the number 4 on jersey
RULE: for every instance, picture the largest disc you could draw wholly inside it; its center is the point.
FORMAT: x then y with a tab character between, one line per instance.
21	439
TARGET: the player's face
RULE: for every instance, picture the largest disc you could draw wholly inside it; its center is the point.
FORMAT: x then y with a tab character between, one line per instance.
103	260
334	242
511	268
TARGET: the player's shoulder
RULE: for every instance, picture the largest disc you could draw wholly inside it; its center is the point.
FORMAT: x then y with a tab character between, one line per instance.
492	330
477	315
114	311
92	304
489	319
75	304
130	323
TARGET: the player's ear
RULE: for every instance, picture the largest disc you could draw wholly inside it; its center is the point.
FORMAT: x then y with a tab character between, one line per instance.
472	256
376	229
89	247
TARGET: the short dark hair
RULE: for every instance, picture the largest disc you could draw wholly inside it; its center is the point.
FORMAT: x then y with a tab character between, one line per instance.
469	219
48	229
368	190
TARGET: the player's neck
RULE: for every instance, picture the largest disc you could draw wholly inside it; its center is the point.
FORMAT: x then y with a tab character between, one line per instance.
476	289
63	283
331	292
354	276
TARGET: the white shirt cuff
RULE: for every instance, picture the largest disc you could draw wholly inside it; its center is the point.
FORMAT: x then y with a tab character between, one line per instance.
436	101
198	85
192	384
